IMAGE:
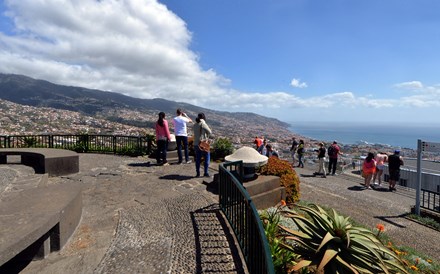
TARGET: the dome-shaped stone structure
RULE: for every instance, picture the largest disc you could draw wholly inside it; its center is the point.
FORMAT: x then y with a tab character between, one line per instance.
249	156
251	160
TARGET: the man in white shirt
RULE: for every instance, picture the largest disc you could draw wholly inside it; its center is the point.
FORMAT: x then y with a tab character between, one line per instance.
181	133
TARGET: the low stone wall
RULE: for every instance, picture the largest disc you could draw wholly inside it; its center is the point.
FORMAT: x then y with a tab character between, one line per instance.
55	162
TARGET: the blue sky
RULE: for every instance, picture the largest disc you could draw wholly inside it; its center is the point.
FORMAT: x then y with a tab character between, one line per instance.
296	60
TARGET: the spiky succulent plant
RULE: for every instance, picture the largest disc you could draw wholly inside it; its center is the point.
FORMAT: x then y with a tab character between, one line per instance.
328	243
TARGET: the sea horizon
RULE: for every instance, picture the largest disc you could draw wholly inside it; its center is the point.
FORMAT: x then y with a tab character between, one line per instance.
388	134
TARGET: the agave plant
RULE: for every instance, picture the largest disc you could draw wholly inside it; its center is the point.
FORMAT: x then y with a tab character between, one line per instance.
329	243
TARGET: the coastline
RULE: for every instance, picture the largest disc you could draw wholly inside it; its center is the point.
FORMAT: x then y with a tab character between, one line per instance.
384	134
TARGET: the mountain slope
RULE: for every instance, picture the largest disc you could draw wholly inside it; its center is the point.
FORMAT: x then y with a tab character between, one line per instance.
128	110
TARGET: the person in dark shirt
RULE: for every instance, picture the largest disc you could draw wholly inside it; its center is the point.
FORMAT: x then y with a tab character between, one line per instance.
321	160
333	152
394	163
300	152
293	150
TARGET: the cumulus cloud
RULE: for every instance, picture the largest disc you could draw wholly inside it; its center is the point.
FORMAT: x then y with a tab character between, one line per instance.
138	47
142	49
296	83
410	85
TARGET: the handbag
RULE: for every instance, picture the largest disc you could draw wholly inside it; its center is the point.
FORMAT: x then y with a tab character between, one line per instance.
204	145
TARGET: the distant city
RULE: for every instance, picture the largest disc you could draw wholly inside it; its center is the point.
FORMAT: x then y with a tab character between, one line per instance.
17	119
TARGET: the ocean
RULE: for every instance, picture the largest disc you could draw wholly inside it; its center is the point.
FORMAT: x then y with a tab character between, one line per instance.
396	135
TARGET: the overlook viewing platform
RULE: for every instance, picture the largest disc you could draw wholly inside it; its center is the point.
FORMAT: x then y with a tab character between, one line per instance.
141	218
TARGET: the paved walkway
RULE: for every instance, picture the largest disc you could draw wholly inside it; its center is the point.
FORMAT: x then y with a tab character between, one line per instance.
141	218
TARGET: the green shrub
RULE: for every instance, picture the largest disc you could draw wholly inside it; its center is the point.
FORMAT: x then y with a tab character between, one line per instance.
30	141
221	148
282	258
288	177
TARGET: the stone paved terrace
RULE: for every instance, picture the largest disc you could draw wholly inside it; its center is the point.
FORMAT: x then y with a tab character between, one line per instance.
137	218
140	218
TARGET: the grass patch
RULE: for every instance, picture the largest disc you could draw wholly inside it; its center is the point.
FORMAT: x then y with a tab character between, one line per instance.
432	223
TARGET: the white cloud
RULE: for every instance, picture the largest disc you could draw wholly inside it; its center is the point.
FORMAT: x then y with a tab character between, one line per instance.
142	49
296	83
414	85
138	47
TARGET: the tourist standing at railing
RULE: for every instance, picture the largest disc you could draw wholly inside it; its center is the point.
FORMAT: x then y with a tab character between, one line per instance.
300	151
381	159
368	169
258	142
394	163
162	138
333	152
180	130
201	132
293	150
262	149
321	160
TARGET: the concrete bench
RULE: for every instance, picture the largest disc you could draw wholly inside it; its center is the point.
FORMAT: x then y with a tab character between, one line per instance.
55	162
38	221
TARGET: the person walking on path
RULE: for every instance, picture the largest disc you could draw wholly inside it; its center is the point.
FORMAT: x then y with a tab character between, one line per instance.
394	163
180	131
381	159
293	149
321	161
201	132
368	169
162	138
300	152
333	151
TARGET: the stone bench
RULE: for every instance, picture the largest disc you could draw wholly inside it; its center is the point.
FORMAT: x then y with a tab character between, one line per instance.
55	162
38	221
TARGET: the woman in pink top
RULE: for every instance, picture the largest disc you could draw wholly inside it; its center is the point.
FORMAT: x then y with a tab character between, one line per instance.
162	138
369	168
381	159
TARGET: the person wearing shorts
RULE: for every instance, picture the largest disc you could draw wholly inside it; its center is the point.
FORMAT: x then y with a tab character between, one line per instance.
381	159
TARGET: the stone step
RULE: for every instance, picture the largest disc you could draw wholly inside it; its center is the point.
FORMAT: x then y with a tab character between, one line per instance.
269	198
265	191
262	184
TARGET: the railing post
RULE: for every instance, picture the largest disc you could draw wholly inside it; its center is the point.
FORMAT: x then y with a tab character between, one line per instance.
114	144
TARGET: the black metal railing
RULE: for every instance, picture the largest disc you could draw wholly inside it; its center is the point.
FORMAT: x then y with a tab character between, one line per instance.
116	144
244	219
430	200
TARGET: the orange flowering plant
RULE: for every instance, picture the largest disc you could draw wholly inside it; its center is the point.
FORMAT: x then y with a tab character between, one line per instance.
288	177
380	228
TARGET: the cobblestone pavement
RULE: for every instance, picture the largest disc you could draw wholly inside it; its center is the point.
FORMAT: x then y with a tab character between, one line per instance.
140	218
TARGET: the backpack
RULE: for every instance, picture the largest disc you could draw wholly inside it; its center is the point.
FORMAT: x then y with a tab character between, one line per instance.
331	151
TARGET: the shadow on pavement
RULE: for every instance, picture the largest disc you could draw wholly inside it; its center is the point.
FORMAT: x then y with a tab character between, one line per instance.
210	249
356	188
306	175
176	177
211	186
387	219
146	164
